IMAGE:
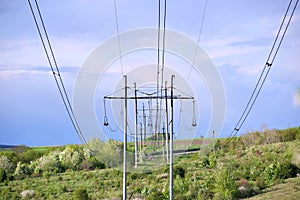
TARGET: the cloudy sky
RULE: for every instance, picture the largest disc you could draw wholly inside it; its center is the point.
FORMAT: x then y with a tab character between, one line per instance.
236	35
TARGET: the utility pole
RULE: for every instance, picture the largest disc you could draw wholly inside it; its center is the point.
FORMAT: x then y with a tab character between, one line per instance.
145	124
213	133
167	123
171	139
163	140
141	142
125	142
141	134
136	128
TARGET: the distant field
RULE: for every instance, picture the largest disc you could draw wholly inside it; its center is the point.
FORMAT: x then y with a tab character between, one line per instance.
42	149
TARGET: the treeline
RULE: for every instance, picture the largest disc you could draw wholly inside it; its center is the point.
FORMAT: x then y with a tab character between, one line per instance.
263	137
22	162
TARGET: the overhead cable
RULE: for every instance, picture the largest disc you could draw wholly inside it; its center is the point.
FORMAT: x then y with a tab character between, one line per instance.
262	78
198	40
118	32
54	67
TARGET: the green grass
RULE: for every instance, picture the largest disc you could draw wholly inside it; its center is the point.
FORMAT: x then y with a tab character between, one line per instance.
288	190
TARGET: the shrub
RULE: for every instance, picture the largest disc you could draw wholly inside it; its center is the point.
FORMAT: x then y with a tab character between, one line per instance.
6	194
288	134
96	164
6	164
156	195
80	194
212	160
3	175
295	157
29	155
260	183
109	153
205	161
22	170
51	163
179	171
47	175
224	185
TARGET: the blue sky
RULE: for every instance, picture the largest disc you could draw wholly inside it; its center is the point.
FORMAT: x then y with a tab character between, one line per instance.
237	36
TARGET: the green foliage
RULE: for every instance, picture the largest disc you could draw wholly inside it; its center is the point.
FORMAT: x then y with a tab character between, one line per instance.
109	153
10	155
156	195
91	164
80	194
22	170
179	171
29	155
50	163
260	183
269	136
3	175
290	134
47	175
237	171
6	194
224	184
212	160
204	161
6	164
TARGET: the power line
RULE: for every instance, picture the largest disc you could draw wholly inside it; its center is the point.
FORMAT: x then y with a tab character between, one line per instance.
55	71
265	71
118	32
159	54
164	44
198	41
163	59
158	62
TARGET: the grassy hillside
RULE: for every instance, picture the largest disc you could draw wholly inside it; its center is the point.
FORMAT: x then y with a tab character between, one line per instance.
289	189
249	167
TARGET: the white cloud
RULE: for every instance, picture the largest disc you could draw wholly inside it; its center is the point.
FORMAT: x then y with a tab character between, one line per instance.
18	52
68	52
296	99
8	72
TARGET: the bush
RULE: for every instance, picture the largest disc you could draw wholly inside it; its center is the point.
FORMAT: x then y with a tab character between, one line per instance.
224	185
29	155
260	183
179	171
50	163
22	170
80	194
289	134
109	153
6	164
96	164
3	175
156	195
6	194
